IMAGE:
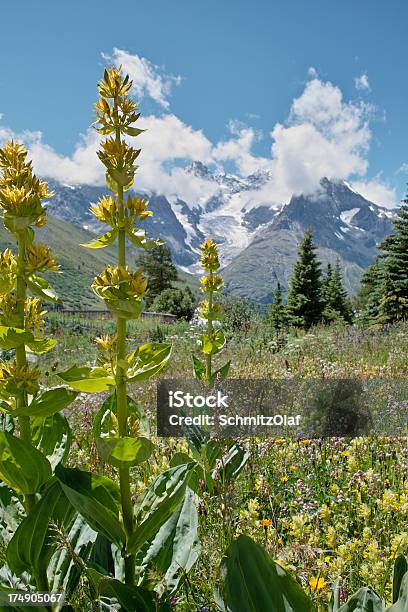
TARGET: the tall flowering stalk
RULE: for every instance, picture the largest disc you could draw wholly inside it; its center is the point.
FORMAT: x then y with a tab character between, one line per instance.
213	341
122	291
24	468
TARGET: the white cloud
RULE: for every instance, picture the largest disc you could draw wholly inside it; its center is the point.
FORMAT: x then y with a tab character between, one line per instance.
324	135
362	83
312	72
377	191
147	77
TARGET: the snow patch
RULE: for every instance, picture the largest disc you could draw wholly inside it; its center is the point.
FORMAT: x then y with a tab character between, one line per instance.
347	215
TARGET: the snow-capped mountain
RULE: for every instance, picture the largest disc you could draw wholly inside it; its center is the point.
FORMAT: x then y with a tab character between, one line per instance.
258	240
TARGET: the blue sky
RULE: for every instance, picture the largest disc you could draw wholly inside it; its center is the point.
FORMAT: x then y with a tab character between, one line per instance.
326	77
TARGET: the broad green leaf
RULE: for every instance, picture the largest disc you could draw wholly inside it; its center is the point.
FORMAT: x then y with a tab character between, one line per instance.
126	309
124	452
88	379
213	345
48	403
31	547
129	597
12	337
199	368
39	346
41	287
147	360
174	549
157	504
365	600
255	583
400	569
103	241
401	605
22	467
11	514
96	498
52	436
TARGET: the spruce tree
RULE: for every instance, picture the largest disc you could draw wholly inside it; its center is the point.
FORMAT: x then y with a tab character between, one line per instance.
160	270
336	304
277	315
305	305
394	302
370	292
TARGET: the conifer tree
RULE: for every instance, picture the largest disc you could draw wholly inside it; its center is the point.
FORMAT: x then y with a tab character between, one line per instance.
336	304
159	269
370	292
277	312
305	305
394	301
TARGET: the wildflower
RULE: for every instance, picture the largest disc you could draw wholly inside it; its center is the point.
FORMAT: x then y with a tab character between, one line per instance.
119	283
284	479
211	283
317	583
16	379
209	256
39	258
266	523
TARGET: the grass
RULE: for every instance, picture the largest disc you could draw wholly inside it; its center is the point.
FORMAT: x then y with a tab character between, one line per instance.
335	507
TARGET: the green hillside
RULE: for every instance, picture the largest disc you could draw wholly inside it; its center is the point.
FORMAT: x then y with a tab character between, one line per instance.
78	265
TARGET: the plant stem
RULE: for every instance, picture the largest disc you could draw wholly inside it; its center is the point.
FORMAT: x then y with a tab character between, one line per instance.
209	333
21	401
122	408
21	359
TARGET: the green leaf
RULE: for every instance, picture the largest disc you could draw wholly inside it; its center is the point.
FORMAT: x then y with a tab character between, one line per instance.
222	373
213	345
175	548
132	131
157	504
39	346
126	309
22	467
31	547
41	287
138	238
400	569
129	597
12	337
334	603
232	463
88	379
96	498
120	177
52	436
401	605
124	452
365	600
11	514
255	583
199	368
103	241
47	403
147	360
